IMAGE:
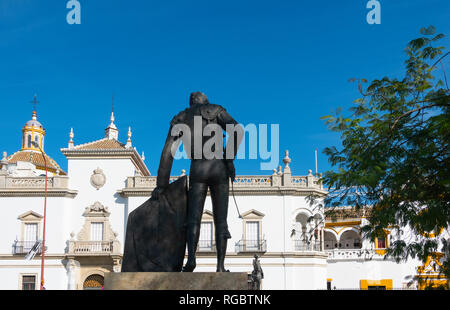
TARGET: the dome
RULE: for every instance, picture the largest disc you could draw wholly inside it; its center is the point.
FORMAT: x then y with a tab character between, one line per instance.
34	122
33	134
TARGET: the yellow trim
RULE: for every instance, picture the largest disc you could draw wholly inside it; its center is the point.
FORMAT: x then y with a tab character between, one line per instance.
348	223
33	129
387	283
30	149
427	279
421	269
425	283
329	279
381	251
432	235
429	235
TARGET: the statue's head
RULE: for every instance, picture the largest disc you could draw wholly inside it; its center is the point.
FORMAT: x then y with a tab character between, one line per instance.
198	98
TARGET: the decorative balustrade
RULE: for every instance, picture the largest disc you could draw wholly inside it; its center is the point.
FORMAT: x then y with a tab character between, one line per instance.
350	253
300	181
141	182
30	182
251	246
253	181
11	182
93	247
243	181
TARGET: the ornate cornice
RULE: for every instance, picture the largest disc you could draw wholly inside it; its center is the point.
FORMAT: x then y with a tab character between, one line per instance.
38	193
250	191
109	154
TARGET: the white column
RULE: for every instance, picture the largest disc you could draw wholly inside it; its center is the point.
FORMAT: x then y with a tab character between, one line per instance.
71	274
322	237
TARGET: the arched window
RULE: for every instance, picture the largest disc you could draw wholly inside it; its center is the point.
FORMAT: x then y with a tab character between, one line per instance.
36	139
330	241
94	282
29	141
350	240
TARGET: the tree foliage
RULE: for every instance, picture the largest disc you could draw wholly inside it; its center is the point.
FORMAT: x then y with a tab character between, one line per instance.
395	153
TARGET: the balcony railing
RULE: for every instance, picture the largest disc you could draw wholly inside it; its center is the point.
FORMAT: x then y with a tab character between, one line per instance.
206	246
304	246
251	246
11	182
92	247
23	247
242	182
350	253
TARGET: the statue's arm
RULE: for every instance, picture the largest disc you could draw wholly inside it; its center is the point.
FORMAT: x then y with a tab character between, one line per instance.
235	134
165	163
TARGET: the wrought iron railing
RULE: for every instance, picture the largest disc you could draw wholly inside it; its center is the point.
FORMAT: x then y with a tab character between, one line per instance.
206	246
304	246
23	247
251	246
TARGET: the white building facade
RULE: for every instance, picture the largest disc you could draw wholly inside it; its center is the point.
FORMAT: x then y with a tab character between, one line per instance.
87	209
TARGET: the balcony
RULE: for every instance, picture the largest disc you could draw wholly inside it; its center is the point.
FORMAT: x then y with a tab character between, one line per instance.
304	246
206	246
57	186
93	247
252	246
346	254
23	247
243	184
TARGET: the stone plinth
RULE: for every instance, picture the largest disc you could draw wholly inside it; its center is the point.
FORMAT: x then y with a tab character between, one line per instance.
176	281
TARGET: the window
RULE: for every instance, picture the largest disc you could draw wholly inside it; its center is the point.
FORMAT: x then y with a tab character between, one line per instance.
97	235
384	284
31	230
29	141
206	236
252	235
28	283
329	284
97	231
381	243
31	236
94	282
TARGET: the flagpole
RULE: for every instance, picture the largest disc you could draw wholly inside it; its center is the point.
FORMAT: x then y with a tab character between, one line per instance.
45	217
316	161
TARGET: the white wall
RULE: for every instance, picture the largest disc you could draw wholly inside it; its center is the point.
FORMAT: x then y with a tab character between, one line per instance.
54	273
57	223
116	172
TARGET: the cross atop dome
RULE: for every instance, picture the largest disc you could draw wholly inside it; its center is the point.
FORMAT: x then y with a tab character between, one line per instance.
34	102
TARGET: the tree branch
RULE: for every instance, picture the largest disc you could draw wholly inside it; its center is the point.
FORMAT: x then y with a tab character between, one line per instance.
418	109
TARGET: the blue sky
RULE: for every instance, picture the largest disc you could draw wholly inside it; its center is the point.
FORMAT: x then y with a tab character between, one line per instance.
267	62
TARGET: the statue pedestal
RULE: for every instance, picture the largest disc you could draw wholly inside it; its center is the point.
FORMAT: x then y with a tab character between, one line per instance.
176	281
